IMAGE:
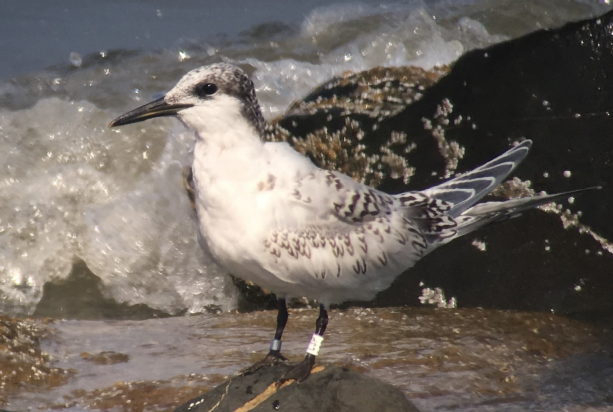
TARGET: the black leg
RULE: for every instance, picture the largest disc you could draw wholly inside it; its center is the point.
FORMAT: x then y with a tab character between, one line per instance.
302	371
322	321
275	345
274	355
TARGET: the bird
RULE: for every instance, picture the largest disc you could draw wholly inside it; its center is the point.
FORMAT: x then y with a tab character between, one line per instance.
269	215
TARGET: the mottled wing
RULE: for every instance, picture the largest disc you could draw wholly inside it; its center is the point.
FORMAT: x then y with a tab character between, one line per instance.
353	238
430	215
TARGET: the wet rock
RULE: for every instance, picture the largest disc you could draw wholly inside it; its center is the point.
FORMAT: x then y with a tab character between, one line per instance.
252	297
24	366
136	395
399	130
329	388
105	357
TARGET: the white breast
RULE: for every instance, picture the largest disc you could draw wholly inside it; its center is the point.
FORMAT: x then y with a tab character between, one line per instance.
241	194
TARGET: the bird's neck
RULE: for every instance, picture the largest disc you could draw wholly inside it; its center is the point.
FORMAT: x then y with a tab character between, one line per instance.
222	126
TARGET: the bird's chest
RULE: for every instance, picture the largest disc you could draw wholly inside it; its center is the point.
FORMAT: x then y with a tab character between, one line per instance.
232	190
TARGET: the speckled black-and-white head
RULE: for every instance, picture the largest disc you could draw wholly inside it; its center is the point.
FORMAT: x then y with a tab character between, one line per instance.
207	97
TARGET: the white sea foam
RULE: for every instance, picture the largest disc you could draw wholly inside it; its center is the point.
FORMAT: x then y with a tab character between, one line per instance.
394	36
72	188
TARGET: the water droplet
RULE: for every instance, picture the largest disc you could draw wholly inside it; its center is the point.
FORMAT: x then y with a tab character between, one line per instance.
75	59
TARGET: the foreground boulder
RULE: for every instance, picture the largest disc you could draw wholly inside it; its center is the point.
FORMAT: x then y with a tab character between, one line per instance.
328	389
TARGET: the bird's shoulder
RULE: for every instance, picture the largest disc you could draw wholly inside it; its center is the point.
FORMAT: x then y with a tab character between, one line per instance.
333	196
348	200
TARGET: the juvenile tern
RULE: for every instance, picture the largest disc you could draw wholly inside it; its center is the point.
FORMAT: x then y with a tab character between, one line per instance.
269	215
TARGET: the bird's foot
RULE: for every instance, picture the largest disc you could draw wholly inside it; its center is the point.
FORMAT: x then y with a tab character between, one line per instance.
273	357
299	372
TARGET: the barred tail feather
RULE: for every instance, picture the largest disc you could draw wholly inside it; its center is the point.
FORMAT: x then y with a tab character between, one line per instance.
488	212
451	209
464	191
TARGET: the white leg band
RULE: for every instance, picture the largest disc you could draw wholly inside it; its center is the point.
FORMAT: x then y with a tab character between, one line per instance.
275	344
315	344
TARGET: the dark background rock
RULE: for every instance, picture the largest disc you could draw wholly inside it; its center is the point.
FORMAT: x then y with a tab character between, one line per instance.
551	86
80	296
332	389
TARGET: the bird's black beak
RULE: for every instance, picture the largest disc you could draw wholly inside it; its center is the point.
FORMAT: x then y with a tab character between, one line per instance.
156	108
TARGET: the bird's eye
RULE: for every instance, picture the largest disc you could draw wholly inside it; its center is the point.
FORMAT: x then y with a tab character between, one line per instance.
206	89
